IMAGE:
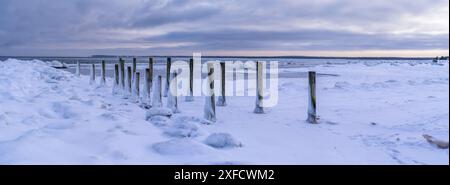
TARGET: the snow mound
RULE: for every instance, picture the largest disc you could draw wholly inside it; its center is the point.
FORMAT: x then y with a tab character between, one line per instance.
180	147
158	112
57	64
28	78
182	129
222	140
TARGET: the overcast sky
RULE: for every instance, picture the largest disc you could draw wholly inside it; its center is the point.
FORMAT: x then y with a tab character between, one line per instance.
224	27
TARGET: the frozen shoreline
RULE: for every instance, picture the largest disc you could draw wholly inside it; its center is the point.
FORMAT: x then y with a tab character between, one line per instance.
370	114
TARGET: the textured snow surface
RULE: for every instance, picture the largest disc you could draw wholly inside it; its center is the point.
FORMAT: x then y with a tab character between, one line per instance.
370	113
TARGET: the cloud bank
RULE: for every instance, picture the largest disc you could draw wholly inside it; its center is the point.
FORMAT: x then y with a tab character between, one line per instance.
222	27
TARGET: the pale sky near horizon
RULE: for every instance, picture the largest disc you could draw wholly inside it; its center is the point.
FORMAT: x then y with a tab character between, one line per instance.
405	28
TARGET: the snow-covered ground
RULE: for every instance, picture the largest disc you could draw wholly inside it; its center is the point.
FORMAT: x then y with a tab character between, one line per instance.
369	114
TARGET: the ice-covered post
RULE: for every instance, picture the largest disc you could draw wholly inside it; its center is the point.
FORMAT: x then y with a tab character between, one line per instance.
92	81
259	88
136	93
221	101
172	96
103	80
157	99
147	87
122	74
168	64
210	106
190	96
129	76
78	68
116	78
312	117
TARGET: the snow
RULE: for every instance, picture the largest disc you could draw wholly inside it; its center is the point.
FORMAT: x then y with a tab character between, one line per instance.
370	113
222	140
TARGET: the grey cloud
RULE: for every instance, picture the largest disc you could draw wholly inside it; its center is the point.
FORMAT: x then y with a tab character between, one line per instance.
302	40
29	26
173	12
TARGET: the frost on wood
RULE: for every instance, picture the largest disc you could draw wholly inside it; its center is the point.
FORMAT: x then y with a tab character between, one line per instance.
168	66
190	96
92	74
122	74
210	106
136	90
127	91
222	140
156	98
116	85
259	109
221	100
312	117
172	98
103	73
147	88
78	69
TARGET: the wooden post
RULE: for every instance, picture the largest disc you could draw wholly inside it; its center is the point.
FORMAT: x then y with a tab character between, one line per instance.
92	81
78	68
147	87
221	101
122	74
259	88
116	79
116	74
157	98
168	65
190	97
150	75
129	76
172	98
103	80
312	117
210	105
134	65
136	86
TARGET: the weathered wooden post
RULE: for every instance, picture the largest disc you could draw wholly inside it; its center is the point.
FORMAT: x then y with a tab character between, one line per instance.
103	80
122	74
172	96
150	75
157	99
147	85
259	88
221	101
210	105
136	93
134	65
78	68
168	65
312	117
129	81
190	96
116	79
92	81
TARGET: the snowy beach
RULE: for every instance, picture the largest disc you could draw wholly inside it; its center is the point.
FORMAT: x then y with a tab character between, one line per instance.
370	113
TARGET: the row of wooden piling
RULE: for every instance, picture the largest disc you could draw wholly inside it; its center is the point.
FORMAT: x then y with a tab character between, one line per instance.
133	78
